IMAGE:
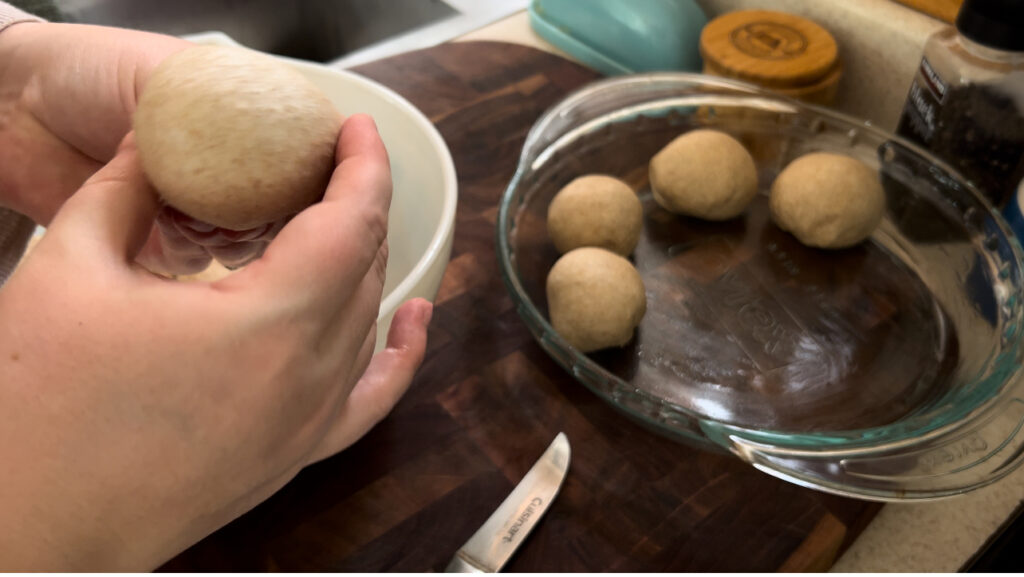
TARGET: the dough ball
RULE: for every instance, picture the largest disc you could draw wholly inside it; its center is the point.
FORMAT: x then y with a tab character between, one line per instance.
828	200
704	173
235	138
596	299
596	210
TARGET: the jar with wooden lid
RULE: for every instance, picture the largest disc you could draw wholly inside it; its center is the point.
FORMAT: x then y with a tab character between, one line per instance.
774	50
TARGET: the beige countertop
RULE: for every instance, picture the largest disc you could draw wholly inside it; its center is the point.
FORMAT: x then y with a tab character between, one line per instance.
881	44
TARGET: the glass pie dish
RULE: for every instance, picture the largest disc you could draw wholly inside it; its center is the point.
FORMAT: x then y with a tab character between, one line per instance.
886	371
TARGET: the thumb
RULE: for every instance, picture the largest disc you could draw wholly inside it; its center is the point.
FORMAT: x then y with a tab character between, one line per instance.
111	215
389	375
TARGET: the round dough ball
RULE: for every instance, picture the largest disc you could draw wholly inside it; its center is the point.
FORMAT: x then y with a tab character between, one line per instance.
233	137
704	173
828	200
596	299
596	210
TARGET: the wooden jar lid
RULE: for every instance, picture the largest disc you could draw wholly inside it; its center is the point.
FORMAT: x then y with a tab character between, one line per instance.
771	49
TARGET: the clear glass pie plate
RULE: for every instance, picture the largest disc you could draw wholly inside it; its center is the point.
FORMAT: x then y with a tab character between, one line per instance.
887	371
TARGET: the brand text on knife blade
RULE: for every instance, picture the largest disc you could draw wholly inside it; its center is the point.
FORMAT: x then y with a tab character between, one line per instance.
523	518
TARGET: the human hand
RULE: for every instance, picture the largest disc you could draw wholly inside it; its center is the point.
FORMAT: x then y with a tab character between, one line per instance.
137	414
71	91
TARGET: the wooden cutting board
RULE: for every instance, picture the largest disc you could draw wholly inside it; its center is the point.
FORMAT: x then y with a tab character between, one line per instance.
488	401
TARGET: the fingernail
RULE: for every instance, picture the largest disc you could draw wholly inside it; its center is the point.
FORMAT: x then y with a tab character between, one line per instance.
363	117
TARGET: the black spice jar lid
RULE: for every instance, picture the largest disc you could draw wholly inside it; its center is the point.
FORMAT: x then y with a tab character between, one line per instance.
993	23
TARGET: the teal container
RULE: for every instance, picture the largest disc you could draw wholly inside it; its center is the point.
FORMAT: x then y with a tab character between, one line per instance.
623	36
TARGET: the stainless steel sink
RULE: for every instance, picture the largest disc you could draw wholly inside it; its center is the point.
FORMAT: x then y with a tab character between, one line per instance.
330	31
320	30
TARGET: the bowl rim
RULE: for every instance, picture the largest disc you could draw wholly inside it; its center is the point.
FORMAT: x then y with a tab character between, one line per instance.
435	249
831	444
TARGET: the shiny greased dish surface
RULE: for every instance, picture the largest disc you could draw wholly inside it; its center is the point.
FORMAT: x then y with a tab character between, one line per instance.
746	325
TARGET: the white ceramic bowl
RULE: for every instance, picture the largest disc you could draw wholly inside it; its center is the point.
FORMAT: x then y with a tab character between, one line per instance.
422	217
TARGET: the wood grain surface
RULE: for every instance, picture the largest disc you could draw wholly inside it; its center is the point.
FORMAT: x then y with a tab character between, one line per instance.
488	401
945	10
769	48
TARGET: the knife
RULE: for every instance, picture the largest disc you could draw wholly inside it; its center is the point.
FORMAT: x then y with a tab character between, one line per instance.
497	539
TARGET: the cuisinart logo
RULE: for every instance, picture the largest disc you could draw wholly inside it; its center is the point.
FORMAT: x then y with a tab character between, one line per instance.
935	84
523	518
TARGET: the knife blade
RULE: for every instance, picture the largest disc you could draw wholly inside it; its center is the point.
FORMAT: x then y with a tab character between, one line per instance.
497	539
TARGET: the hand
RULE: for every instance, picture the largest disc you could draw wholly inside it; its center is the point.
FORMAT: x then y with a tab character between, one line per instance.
138	415
70	91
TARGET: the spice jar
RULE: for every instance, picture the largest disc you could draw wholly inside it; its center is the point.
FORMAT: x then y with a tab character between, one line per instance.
777	51
966	103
